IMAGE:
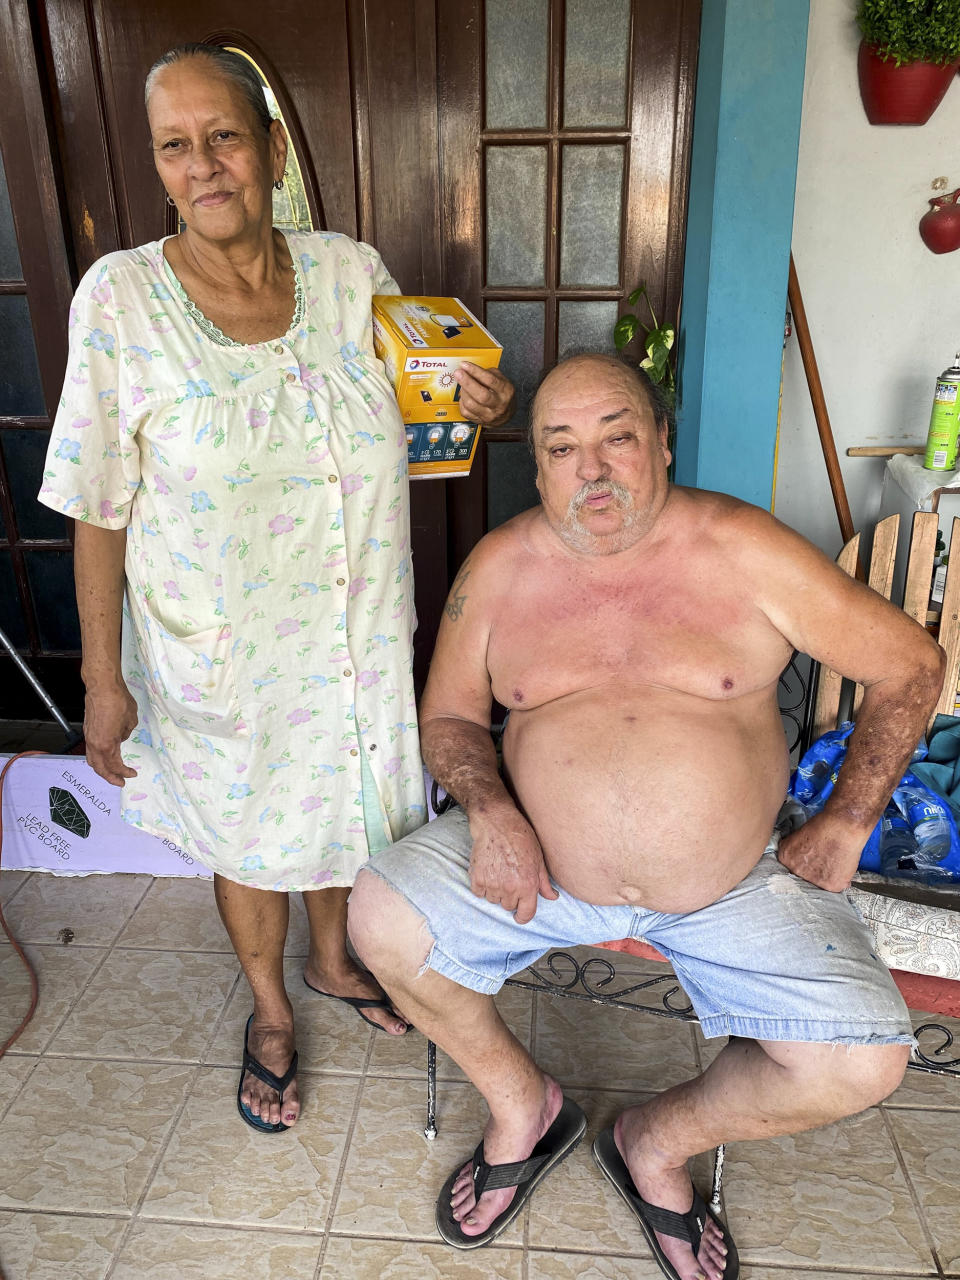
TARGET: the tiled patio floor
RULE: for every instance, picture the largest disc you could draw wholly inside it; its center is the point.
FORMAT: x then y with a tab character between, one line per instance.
122	1154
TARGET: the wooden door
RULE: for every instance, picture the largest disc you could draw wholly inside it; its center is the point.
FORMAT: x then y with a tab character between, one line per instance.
466	139
37	613
565	128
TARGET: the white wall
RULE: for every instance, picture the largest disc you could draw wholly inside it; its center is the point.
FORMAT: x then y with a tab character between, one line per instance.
884	312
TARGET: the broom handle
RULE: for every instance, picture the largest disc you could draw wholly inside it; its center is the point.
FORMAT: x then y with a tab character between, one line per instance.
834	473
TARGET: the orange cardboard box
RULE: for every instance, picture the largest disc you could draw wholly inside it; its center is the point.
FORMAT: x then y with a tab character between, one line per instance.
421	341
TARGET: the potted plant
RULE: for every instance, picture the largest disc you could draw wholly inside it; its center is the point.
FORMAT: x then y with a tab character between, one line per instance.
657	341
909	54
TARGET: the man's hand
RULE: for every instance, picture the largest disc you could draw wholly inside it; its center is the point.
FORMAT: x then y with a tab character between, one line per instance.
506	865
110	716
486	395
826	851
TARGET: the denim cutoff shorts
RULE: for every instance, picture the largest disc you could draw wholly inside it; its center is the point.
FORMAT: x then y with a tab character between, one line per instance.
776	958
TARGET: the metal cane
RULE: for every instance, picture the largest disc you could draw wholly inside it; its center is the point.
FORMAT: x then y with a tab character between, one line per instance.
73	738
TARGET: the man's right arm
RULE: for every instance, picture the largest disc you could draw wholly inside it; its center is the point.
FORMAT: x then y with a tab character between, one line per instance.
506	861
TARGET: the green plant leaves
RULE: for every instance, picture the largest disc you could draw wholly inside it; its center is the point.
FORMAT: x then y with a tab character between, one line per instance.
625	330
661	337
657	340
659	354
912	30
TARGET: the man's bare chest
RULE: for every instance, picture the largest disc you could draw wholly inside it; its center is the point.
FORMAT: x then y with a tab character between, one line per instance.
672	633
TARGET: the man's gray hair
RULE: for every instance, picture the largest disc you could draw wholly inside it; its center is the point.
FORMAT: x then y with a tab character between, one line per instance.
229	64
660	406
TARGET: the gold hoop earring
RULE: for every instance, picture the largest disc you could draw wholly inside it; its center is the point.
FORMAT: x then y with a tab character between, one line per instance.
278	185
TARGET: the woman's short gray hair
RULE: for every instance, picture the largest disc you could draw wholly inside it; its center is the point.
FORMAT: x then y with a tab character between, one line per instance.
229	64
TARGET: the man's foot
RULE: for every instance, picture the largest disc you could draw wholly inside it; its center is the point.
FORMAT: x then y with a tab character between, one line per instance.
502	1144
669	1186
273	1047
353	982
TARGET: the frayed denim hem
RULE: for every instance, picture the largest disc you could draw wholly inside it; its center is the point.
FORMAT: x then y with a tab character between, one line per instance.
804	1031
439	962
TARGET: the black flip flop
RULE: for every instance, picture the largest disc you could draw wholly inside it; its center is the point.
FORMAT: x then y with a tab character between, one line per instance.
359	1003
555	1145
279	1083
682	1226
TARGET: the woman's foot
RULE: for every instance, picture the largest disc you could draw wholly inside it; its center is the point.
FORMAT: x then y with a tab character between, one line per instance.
349	980
273	1047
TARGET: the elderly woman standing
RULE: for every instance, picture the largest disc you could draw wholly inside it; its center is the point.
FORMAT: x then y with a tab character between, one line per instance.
235	461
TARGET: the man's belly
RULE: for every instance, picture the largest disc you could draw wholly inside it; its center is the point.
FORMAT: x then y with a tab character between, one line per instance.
646	795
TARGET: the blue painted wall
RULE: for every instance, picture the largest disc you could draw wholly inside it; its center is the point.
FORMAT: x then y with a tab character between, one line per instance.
740	220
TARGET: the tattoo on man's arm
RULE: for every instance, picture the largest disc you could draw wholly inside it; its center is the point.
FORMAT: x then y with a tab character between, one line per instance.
457	598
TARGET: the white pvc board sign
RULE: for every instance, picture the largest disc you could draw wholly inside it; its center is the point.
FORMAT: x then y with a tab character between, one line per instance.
60	816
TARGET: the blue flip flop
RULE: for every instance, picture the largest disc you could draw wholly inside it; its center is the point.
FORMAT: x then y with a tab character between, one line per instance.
279	1083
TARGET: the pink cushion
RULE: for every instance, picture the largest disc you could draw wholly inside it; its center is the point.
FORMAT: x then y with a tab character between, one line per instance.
631	947
929	994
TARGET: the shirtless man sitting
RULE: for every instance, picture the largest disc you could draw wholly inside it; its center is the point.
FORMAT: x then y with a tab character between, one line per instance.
635	631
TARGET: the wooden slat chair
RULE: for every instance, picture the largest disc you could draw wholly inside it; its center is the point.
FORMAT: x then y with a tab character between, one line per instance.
596	980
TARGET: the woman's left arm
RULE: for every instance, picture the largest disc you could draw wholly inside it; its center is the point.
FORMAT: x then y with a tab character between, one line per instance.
486	396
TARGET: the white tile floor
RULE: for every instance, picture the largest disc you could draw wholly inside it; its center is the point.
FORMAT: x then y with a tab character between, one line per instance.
122	1156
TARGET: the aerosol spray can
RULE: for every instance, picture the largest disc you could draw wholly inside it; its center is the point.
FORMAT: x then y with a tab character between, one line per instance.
941	452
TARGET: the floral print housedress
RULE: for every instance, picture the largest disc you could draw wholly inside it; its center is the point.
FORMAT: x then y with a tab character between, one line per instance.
267	633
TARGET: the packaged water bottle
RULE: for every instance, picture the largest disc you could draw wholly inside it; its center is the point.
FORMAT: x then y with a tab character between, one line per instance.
898	844
931	828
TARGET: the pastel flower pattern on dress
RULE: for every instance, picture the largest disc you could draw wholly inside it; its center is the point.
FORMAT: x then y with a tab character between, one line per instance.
269	619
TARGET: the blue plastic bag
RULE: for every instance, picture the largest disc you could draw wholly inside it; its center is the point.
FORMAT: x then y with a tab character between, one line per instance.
814	778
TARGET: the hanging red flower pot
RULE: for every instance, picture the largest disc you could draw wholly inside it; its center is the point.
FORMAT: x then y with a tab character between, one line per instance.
908	94
940	225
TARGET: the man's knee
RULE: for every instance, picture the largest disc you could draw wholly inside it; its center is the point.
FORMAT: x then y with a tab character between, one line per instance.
859	1076
875	1072
387	933
830	1081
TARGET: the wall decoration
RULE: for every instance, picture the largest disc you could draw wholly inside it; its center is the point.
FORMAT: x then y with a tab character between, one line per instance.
940	225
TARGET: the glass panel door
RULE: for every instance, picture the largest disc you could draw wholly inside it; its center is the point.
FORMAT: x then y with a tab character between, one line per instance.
582	170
